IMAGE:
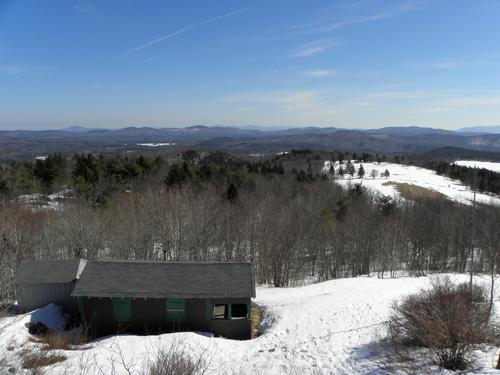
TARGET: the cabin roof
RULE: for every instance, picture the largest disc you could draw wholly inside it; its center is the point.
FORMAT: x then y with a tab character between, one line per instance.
48	271
143	279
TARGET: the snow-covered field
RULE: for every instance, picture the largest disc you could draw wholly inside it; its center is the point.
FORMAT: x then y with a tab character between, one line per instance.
326	328
422	177
492	166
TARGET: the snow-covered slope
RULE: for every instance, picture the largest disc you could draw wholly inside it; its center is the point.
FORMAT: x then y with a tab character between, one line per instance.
326	328
422	177
492	166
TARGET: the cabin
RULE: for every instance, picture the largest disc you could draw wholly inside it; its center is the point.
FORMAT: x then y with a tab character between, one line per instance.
38	283
114	296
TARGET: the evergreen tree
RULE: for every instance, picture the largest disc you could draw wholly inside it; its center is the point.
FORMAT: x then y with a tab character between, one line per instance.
350	169
386	173
361	171
232	193
341	172
178	174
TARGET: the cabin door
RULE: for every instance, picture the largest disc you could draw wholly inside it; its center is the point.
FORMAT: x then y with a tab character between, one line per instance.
176	310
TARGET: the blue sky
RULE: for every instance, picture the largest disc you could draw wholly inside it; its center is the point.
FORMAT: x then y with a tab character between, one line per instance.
353	64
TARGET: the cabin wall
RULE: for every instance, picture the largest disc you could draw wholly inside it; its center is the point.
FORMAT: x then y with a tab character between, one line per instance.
149	317
33	296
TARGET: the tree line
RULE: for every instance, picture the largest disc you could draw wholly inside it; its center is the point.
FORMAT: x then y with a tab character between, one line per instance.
481	179
217	207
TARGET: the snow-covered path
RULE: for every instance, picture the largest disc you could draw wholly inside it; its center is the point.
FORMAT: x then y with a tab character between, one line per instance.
326	328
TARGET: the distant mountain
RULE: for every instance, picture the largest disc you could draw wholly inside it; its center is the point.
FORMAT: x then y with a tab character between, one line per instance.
306	130
408	131
78	129
28	144
490	129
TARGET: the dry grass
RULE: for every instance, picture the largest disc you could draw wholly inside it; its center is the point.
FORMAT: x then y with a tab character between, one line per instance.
412	192
256	317
52	342
35	359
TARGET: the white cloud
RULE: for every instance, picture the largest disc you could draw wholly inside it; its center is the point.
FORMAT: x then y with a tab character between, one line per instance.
455	104
348	22
10	70
320	73
439	65
85	7
354	13
314	48
287	97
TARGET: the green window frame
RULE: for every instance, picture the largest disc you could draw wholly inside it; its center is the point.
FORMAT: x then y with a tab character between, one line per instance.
122	309
176	309
224	311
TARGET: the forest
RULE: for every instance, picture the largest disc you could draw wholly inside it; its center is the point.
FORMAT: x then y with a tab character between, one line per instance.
279	212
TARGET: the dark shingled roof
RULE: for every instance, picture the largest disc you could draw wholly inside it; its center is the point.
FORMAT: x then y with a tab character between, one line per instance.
47	271
165	279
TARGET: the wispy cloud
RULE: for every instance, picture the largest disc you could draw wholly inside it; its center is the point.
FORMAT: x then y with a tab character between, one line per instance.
86	7
10	70
349	22
287	98
313	48
439	65
186	28
320	73
356	13
461	103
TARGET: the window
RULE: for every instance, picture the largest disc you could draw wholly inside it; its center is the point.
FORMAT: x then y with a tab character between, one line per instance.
176	309
122	309
239	311
224	311
220	311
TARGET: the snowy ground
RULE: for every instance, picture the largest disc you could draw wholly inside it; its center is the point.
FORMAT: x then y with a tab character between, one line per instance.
39	201
495	167
326	328
425	178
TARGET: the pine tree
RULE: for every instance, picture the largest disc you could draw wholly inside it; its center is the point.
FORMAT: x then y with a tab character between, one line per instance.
350	169
341	172
386	173
361	171
232	193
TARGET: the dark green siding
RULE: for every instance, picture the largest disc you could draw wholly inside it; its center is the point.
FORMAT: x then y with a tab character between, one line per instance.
149	315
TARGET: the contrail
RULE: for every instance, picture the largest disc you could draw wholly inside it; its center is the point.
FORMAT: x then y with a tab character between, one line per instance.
186	28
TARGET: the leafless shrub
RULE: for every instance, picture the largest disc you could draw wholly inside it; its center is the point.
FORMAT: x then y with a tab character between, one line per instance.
176	361
449	320
35	359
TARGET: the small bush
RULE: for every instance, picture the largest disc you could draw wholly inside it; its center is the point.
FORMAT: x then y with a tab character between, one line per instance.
175	361
449	319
